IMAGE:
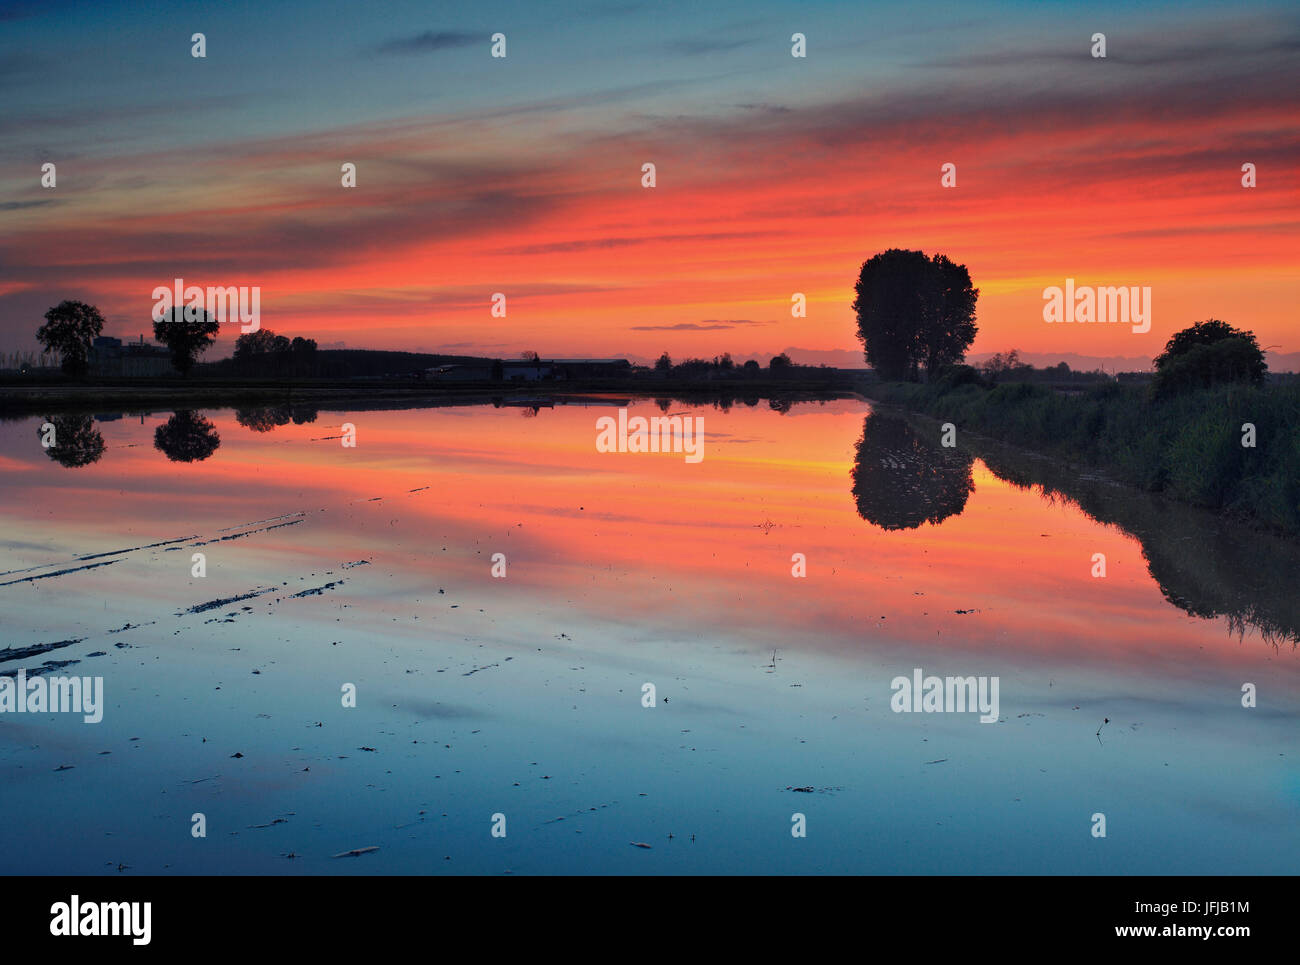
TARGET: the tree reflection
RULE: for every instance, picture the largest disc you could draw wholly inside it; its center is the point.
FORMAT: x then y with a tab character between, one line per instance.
901	481
265	418
186	437
76	440
1206	565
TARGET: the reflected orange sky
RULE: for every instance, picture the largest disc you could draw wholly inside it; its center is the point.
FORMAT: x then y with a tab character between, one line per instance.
647	540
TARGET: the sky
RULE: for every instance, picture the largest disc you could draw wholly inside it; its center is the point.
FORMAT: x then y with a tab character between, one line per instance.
522	175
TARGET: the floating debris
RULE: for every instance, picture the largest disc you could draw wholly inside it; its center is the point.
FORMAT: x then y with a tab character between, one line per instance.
316	591
355	852
22	653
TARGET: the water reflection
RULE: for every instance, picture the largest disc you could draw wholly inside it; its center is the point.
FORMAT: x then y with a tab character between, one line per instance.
901	481
186	437
1205	565
76	441
266	418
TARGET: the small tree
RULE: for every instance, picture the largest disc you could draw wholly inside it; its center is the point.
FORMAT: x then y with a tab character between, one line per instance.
664	364
69	329
1001	365
780	363
185	339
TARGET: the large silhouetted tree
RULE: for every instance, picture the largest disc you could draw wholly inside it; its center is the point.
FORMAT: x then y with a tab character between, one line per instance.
185	339
914	312
69	329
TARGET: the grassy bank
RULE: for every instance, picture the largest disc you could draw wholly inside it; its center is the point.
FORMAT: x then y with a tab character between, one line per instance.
1188	447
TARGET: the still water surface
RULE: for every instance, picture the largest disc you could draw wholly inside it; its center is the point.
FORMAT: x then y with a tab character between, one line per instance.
522	696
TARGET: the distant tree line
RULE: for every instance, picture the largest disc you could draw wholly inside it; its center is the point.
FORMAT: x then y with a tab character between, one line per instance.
71	328
724	366
1009	368
265	353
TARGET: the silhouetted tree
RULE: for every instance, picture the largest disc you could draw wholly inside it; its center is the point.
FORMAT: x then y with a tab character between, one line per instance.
76	440
900	481
913	311
262	342
664	364
780	363
948	326
1206	354
185	339
1000	366
186	437
69	329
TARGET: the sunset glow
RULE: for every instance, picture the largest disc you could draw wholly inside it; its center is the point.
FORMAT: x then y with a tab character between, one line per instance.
774	175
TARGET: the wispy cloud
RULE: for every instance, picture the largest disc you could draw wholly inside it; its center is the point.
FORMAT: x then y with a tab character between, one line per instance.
20	205
696	48
430	41
707	325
